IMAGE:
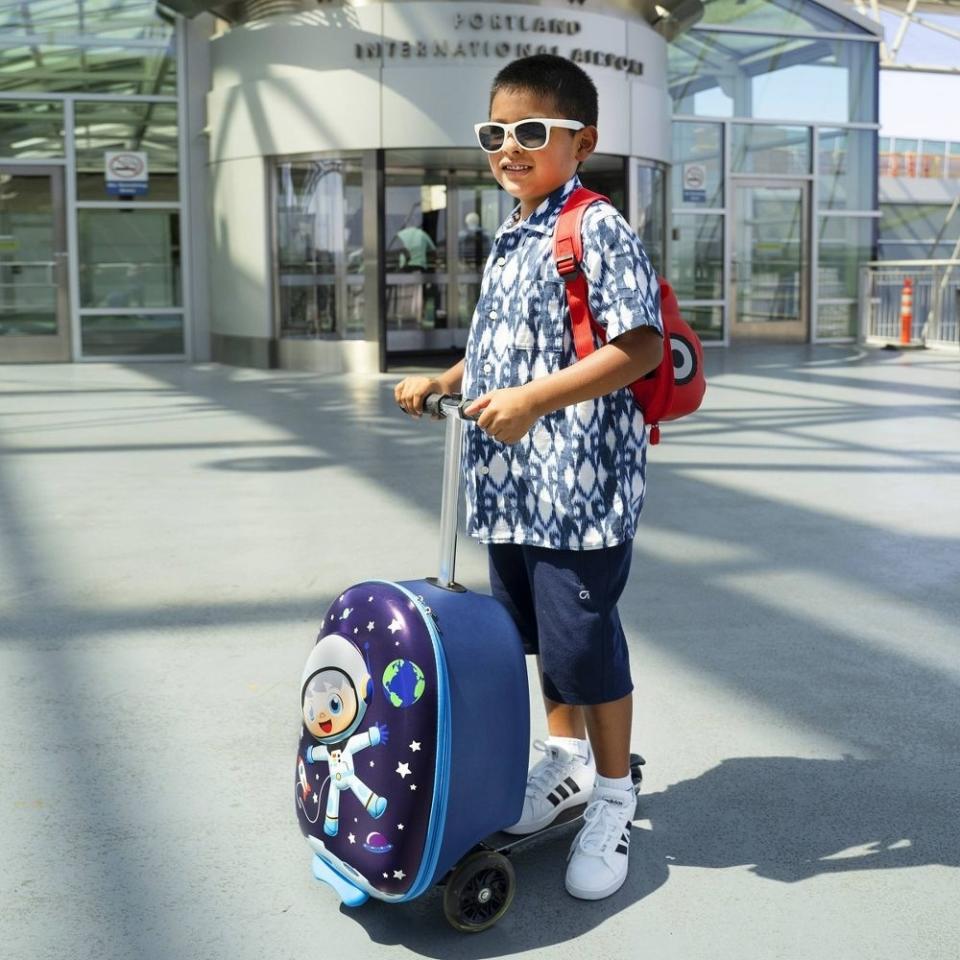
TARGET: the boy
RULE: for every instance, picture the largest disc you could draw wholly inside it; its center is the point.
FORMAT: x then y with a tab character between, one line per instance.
555	472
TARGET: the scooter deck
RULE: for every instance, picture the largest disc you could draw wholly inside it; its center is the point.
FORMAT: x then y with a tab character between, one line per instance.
506	842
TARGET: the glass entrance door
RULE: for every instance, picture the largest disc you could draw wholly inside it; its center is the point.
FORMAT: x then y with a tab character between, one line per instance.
442	210
770	263
439	231
415	241
34	323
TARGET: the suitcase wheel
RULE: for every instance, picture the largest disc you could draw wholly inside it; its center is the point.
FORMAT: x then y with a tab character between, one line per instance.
479	891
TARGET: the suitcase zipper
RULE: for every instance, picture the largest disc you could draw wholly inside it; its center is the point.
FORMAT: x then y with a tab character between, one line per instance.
438	812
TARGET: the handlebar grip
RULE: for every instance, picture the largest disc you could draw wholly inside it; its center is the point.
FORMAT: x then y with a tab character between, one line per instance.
464	403
431	404
435	403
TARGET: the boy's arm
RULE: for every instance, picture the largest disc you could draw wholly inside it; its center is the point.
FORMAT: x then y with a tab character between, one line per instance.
624	300
509	413
451	379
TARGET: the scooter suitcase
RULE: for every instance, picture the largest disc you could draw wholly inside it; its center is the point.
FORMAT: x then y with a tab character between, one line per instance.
415	733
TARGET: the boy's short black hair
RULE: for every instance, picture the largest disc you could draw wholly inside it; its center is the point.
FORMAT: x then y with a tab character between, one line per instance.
546	75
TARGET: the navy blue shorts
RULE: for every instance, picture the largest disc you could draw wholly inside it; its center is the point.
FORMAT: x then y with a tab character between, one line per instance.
564	603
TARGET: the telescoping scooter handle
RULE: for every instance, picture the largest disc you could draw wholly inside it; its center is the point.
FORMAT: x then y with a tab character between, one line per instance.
452	408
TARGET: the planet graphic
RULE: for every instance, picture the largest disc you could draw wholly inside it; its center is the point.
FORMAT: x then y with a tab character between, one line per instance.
404	683
377	843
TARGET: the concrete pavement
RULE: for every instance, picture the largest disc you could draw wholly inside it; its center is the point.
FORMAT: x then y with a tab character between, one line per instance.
170	536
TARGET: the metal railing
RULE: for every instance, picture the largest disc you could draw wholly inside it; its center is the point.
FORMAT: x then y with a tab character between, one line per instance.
936	300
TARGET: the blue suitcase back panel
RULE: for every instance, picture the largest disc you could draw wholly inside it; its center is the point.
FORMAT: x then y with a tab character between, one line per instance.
489	717
430	754
366	764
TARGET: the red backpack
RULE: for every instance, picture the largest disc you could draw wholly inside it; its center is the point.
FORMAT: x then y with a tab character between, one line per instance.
676	387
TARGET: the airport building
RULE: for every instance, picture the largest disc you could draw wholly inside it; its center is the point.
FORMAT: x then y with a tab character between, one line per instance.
284	183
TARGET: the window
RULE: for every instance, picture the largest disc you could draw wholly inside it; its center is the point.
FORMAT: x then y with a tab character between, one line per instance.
768	77
846	169
150	128
31	129
319	223
770	150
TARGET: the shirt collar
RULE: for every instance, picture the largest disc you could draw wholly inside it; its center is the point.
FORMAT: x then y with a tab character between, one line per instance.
543	219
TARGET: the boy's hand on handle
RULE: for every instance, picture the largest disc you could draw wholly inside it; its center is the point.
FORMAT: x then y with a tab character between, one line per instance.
412	391
508	414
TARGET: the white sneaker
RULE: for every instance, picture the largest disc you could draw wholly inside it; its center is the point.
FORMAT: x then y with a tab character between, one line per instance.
597	862
562	779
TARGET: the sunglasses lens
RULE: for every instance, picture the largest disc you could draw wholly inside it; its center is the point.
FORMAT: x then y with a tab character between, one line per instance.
532	135
490	136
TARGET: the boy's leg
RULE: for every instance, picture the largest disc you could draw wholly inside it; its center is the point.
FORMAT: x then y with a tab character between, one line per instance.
563	719
564	777
609	725
585	660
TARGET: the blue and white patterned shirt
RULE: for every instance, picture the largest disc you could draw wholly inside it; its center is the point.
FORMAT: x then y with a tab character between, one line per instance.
576	480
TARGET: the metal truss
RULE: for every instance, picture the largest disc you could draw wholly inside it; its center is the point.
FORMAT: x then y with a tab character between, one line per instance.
908	16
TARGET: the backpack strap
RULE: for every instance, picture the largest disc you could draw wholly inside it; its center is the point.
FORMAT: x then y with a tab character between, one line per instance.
568	254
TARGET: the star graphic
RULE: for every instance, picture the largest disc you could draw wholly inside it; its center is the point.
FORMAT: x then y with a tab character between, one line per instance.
398	874
413	786
395	625
372	764
356	629
370	625
340	598
352	838
385	874
399	826
404	770
369	599
397	643
316	799
415	746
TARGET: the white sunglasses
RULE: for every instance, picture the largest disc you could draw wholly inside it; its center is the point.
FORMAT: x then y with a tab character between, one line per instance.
528	134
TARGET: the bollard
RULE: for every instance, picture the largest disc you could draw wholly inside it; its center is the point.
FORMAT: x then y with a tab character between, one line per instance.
906	311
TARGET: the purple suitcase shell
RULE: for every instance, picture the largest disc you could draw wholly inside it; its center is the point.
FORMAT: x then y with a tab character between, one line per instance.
414	739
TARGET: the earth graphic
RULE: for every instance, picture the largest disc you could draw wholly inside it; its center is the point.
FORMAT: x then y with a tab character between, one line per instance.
404	683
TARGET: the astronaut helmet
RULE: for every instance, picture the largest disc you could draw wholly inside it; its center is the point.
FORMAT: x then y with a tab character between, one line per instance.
335	689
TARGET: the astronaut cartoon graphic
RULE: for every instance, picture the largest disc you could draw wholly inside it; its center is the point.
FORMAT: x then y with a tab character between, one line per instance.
335	692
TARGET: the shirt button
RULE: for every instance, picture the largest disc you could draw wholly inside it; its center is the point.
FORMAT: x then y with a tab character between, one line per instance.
501	261
493	314
487	367
484	471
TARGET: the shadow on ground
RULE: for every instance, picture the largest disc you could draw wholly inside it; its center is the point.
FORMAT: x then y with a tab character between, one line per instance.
785	819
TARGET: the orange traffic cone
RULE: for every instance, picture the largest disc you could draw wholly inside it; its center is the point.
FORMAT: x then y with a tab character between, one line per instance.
906	311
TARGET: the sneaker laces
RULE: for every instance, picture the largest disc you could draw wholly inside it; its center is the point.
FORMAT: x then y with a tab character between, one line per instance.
546	778
604	820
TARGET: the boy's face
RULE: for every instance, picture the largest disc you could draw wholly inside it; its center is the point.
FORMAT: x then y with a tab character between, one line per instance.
532	175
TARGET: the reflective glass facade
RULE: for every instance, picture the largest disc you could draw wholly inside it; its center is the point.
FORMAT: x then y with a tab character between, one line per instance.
918	231
766	212
774	177
319	246
441	209
115	276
